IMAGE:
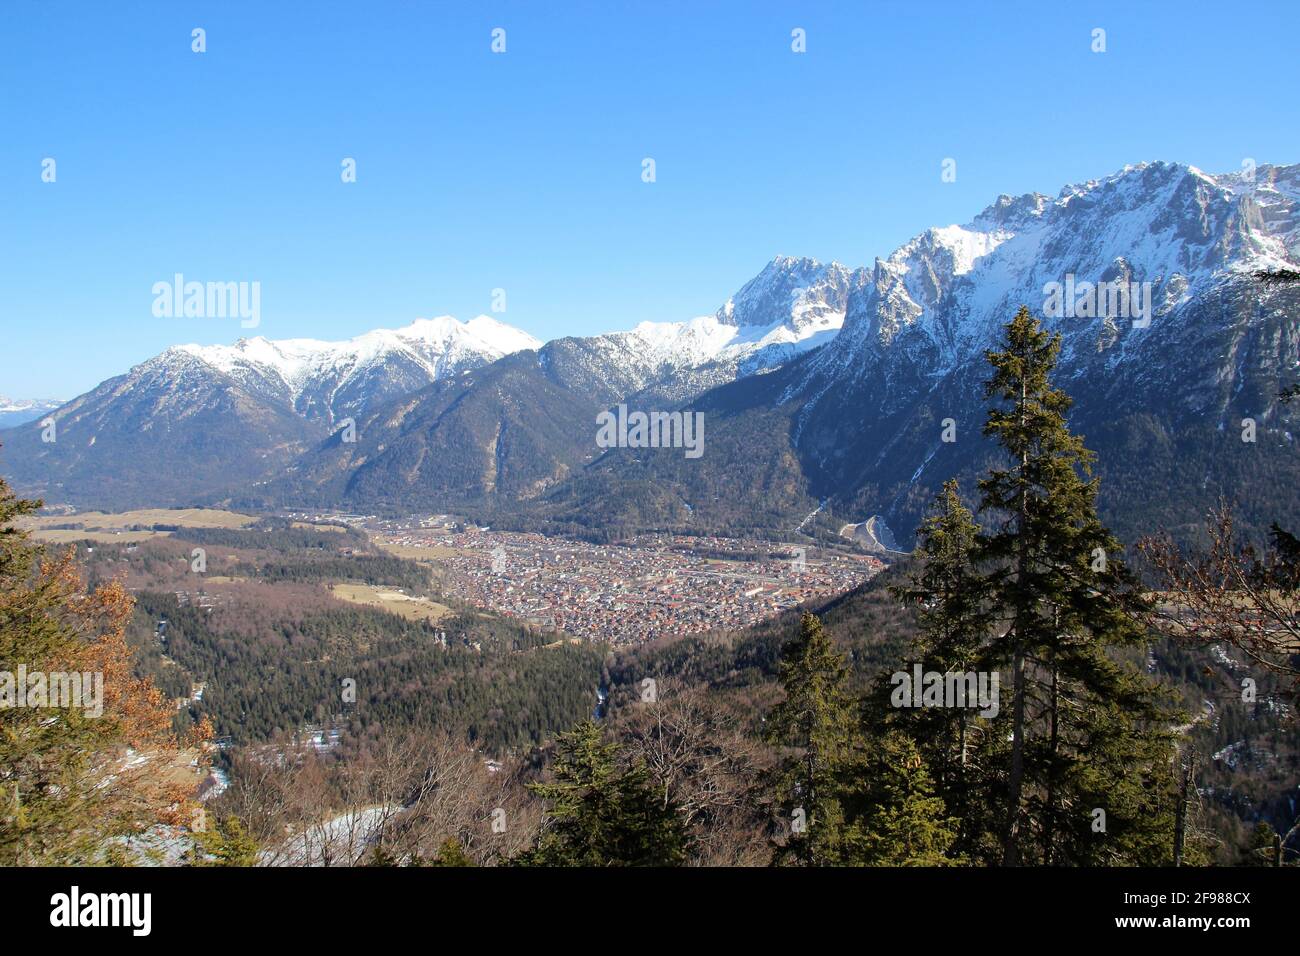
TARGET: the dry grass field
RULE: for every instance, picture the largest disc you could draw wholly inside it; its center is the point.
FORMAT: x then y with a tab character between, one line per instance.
435	552
68	535
118	528
392	600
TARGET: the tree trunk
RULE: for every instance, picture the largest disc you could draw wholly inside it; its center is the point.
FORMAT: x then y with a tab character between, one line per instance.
1015	782
1180	821
1049	816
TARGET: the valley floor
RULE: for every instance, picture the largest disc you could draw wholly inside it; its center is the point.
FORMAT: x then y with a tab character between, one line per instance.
647	587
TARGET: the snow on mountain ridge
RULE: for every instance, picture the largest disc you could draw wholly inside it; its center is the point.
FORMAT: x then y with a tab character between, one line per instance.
294	370
791	289
15	411
791	306
1167	224
25	404
707	339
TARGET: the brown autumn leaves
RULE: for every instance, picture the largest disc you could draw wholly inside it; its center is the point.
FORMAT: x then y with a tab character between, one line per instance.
77	784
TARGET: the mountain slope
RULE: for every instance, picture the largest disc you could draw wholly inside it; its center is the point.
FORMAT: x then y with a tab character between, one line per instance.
331	380
195	420
863	418
504	431
170	431
793	305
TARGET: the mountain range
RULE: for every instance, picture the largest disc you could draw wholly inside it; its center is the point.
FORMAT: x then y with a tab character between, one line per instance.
857	427
15	411
196	421
827	392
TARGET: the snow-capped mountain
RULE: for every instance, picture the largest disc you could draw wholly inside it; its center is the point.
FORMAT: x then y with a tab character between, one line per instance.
331	380
860	369
1203	337
946	291
16	411
790	307
1170	233
808	297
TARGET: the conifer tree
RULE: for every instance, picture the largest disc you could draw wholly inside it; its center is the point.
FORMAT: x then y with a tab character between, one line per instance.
451	853
56	760
601	814
945	587
905	824
820	782
226	843
1088	731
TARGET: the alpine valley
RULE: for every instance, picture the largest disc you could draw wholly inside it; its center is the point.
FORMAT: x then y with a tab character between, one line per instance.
829	394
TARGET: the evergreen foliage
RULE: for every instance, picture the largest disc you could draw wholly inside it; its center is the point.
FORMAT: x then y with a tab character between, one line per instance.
601	814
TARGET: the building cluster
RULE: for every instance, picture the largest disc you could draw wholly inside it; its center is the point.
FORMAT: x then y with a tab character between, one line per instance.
647	587
201	599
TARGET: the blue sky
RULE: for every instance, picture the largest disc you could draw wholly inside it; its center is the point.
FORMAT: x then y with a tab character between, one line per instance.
522	170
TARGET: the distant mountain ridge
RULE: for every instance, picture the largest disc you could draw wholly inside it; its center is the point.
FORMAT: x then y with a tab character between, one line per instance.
278	398
16	411
328	380
819	383
860	422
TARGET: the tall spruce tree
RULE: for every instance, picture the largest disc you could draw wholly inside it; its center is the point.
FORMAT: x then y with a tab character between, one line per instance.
820	781
945	586
1090	769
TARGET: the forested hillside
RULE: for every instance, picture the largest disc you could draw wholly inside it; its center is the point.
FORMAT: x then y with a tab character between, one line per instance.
1011	694
273	648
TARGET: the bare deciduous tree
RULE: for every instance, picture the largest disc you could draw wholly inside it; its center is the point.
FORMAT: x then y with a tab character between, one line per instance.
1230	594
700	758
